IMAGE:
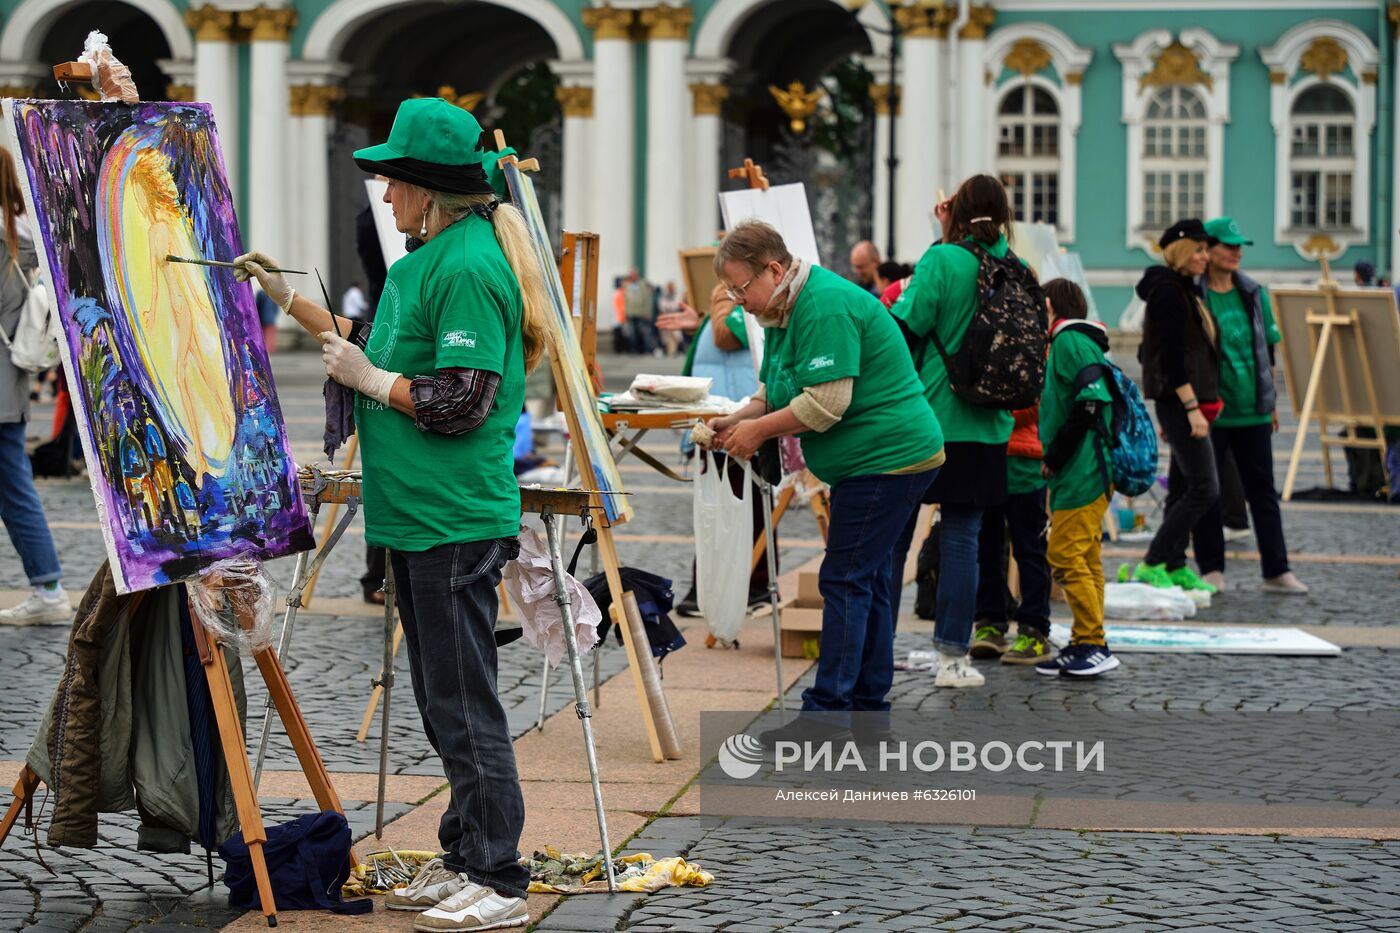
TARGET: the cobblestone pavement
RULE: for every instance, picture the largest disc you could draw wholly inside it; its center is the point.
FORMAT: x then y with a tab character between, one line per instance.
798	875
885	877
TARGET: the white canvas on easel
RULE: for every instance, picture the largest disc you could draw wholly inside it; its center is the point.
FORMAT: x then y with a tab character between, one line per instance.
390	239
783	206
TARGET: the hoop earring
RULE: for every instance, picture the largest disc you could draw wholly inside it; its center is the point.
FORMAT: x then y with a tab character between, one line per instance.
423	230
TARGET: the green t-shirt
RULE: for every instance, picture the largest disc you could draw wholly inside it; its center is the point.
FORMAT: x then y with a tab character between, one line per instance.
837	330
1081	480
941	298
454	302
1238	389
1023	475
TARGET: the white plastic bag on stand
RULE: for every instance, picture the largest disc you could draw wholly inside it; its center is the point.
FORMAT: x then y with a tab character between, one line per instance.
723	548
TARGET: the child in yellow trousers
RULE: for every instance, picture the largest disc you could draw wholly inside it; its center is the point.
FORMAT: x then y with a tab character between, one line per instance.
1076	411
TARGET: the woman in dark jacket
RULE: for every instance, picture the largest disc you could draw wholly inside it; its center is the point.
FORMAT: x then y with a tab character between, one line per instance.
1180	372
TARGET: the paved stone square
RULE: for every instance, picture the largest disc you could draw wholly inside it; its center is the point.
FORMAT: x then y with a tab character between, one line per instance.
790	875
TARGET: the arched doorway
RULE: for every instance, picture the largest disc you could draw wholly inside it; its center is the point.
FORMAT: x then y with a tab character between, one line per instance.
490	59
819	44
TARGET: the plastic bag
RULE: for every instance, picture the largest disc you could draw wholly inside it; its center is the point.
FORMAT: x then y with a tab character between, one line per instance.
723	548
529	581
233	600
111	78
1140	602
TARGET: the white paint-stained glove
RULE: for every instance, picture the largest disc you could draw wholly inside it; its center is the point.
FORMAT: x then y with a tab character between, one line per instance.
255	265
348	365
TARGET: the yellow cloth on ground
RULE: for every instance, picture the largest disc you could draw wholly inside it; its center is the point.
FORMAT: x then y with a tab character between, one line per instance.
639	873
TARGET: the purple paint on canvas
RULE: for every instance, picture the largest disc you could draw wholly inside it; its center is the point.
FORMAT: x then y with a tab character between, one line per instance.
178	416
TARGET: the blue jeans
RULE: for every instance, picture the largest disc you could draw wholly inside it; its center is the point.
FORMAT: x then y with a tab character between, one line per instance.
957	577
856	664
21	512
447	603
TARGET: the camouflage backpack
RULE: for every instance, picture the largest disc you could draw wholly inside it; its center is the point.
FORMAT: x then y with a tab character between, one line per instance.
1001	363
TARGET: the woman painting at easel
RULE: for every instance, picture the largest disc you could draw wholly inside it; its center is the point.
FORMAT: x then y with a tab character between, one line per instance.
440	379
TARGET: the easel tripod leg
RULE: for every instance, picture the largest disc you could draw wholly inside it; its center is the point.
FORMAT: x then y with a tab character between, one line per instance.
585	715
284	644
1305	413
386	683
25	786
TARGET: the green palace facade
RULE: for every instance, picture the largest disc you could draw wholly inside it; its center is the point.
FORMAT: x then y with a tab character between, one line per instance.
1107	118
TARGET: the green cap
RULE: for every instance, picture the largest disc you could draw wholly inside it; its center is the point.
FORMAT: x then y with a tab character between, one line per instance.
1227	231
429	129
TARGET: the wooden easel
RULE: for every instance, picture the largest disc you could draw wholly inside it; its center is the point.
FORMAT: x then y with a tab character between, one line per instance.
1324	327
225	710
820	501
578	271
240	774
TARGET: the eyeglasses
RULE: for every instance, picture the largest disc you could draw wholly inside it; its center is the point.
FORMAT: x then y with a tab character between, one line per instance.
738	292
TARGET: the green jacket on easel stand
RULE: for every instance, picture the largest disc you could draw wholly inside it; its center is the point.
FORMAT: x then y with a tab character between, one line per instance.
117	735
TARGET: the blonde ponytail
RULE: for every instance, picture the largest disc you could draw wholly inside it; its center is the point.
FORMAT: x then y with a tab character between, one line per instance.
514	239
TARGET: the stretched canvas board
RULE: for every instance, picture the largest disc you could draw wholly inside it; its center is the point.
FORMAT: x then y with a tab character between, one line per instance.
1378	342
783	206
698	276
184	439
391	241
575	391
1128	637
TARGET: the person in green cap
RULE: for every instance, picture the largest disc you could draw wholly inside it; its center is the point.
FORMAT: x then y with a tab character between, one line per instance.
440	381
1245	321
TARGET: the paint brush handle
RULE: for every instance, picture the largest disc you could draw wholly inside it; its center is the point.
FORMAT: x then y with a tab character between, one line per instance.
218	263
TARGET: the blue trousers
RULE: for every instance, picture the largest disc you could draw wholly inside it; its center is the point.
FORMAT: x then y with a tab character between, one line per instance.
856	664
21	512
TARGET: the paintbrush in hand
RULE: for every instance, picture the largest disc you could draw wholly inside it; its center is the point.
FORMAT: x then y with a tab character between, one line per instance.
220	264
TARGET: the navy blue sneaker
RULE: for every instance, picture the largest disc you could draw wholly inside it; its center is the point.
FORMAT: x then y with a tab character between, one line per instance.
1054	666
1090	661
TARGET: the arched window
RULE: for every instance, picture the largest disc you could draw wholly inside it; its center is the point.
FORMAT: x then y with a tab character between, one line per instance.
1174	157
1322	160
1028	153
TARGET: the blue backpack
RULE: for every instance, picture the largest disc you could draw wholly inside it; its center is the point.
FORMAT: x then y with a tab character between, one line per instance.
1131	437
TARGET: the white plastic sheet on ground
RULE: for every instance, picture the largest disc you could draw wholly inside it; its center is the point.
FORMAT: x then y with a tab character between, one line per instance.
529	581
1140	602
723	549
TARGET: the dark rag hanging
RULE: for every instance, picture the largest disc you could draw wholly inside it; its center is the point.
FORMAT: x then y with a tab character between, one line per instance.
308	860
654	600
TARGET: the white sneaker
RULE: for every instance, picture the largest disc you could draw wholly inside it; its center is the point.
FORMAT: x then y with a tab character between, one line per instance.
1286	584
433	884
474	908
40	609
956	670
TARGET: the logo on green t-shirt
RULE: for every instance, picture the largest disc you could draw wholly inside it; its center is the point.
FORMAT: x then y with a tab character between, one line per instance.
460	338
384	333
821	362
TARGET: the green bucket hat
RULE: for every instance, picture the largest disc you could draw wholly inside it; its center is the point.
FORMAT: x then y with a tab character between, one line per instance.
434	144
1227	231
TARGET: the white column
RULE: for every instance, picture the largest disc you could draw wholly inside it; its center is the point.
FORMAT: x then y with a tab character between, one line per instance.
880	205
614	168
268	128
707	141
309	217
972	121
668	28
922	172
577	105
216	76
1395	149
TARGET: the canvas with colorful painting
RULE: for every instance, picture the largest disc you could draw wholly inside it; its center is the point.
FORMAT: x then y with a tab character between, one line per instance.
184	440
